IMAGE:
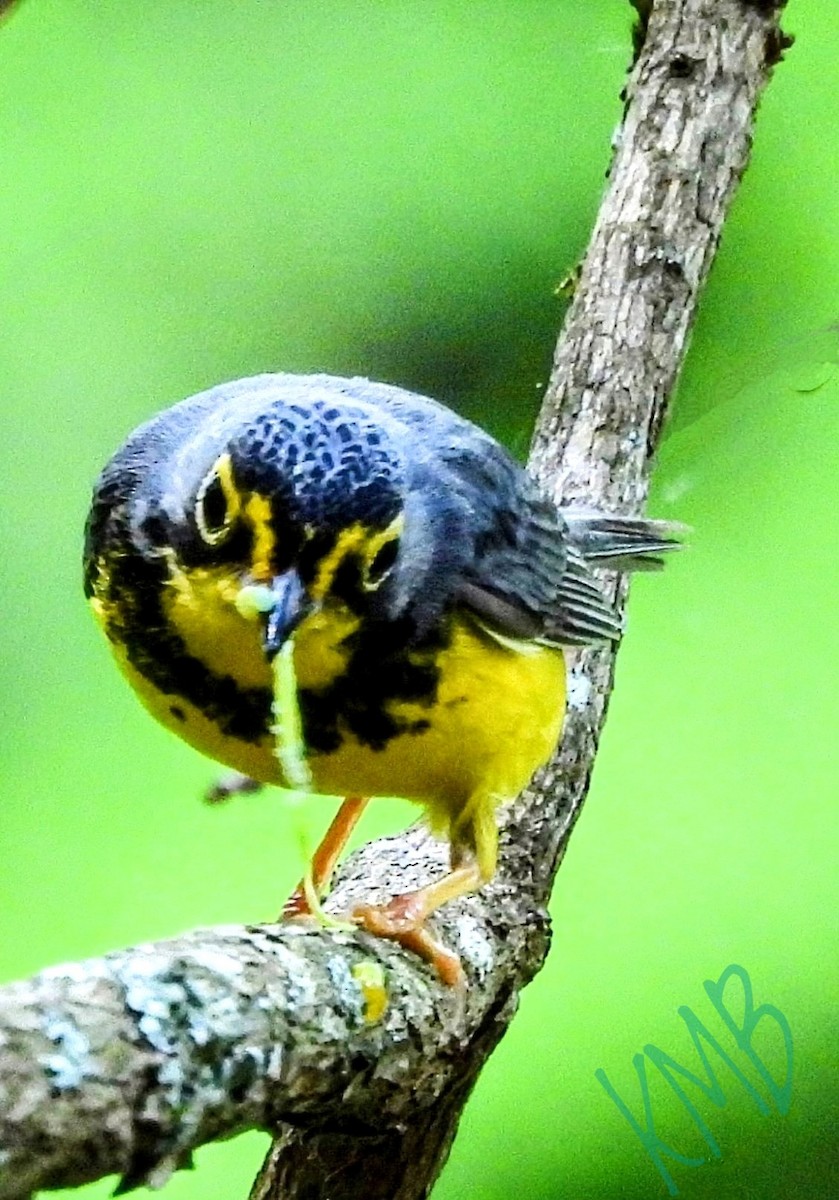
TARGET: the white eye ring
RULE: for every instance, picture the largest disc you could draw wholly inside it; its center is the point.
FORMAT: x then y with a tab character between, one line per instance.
213	492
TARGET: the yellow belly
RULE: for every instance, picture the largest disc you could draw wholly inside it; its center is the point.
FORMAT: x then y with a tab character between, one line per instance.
496	718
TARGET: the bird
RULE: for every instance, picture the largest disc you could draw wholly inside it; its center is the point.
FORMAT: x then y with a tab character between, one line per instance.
420	587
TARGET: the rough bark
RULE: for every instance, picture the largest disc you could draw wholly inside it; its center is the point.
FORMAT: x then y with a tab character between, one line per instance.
125	1064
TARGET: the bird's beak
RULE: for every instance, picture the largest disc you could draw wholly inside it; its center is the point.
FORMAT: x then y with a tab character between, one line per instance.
289	605
281	605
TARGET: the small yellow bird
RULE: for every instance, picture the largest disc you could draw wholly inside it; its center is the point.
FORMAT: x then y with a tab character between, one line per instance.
417	582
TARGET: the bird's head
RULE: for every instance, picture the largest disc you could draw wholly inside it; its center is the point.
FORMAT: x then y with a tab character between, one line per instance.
272	508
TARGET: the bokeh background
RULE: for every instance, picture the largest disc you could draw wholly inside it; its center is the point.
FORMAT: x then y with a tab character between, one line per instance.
195	191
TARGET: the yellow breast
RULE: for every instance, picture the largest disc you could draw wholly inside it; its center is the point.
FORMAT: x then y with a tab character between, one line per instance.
496	717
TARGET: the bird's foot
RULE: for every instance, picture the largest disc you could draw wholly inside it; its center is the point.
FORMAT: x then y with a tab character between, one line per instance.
296	906
402	920
305	902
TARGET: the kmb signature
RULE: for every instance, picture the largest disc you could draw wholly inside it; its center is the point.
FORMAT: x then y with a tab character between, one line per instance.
779	1095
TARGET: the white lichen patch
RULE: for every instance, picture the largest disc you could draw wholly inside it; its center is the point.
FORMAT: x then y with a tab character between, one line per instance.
348	996
217	960
70	1063
579	691
274	1062
301	988
474	944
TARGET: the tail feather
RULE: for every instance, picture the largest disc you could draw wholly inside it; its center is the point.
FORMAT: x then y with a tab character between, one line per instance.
622	543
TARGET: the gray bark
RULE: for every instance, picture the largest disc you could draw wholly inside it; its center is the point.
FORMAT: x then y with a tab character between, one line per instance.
126	1063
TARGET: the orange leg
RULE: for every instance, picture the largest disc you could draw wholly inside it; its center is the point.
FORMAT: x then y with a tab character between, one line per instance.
403	918
326	856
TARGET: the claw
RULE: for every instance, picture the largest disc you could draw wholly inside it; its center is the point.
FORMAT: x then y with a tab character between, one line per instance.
305	900
402	920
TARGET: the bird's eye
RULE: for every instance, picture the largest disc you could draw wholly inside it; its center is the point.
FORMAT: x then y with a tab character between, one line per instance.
381	564
215	505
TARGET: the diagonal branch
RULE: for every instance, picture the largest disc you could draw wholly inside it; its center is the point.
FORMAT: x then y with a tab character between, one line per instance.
126	1063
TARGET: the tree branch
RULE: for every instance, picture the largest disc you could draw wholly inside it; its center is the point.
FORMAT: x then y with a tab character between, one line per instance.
126	1063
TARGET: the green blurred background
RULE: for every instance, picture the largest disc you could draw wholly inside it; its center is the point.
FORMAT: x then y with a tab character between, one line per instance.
193	191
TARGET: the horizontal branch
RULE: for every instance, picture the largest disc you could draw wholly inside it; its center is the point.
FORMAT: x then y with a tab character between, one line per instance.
126	1063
